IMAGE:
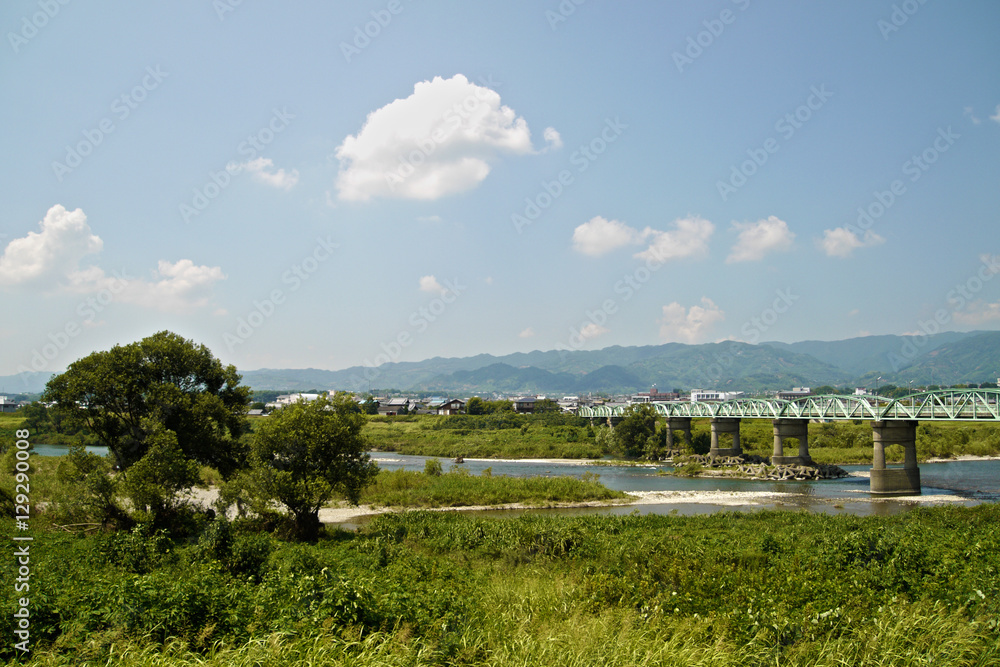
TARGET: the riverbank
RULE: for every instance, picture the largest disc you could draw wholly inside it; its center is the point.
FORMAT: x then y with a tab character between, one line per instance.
347	514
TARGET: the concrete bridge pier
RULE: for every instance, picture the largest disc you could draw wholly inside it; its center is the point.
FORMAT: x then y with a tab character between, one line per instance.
903	481
791	428
725	425
682	424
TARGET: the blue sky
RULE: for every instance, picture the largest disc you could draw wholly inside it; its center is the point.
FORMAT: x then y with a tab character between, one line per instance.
325	185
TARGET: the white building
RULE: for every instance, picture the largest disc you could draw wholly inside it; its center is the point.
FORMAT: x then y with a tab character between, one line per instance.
708	395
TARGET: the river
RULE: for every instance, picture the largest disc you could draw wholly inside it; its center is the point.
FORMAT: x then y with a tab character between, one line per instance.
953	482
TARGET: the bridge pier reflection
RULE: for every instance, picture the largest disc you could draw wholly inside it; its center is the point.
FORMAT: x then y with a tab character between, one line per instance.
791	428
726	426
903	481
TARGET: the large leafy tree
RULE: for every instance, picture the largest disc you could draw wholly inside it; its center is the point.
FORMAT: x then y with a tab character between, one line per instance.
163	388
306	454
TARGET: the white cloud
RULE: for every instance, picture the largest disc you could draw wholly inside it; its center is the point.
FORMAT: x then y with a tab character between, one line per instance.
552	138
178	287
756	239
996	116
527	333
599	236
978	313
262	171
688	238
592	330
430	284
843	241
45	258
690	326
51	259
438	141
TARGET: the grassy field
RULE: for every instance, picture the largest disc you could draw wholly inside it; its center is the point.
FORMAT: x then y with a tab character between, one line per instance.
517	437
768	588
402	488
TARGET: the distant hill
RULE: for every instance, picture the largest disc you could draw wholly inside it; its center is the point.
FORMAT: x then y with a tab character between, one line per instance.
945	358
23	383
860	356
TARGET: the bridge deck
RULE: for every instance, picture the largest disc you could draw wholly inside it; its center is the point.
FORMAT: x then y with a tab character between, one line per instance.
940	405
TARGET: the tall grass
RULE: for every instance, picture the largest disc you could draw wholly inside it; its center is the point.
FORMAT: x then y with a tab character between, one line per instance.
422	588
403	488
485	436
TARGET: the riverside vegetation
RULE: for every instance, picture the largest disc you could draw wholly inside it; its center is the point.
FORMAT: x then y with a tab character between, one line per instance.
509	435
425	588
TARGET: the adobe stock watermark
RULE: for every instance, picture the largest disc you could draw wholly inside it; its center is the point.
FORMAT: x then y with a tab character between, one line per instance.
751	331
224	7
121	108
451	120
704	39
22	552
294	277
563	11
249	149
899	16
86	312
418	322
627	287
363	35
30	26
958	297
786	127
581	158
914	168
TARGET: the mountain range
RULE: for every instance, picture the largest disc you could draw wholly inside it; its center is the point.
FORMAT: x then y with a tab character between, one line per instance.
944	359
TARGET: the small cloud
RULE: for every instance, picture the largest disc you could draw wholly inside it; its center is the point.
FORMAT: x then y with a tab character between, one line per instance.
843	241
689	325
978	313
488	280
996	116
262	171
756	239
592	330
429	218
854	313
968	112
688	238
431	285
552	138
599	236
527	333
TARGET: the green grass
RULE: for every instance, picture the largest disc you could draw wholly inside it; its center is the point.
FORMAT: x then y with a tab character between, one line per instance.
426	588
530	438
402	488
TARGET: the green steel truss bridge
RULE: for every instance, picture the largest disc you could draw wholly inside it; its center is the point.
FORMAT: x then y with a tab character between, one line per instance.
940	405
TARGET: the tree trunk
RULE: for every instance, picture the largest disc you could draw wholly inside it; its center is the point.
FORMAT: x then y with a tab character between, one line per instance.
307	526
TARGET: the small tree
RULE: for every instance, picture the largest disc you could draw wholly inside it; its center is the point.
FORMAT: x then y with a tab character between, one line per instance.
475	406
304	455
637	427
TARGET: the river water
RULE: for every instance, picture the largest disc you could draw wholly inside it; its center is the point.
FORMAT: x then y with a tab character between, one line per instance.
953	482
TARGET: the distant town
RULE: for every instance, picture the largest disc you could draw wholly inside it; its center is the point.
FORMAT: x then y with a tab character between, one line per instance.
393	405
